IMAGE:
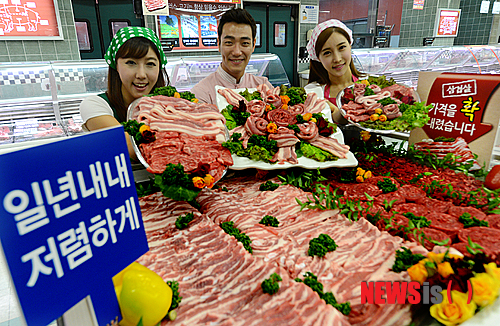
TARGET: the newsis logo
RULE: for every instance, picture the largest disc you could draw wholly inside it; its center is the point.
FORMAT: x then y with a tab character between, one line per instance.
405	292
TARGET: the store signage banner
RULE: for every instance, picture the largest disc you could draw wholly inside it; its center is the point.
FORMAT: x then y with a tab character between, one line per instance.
418	4
29	19
309	14
447	22
464	105
70	221
193	25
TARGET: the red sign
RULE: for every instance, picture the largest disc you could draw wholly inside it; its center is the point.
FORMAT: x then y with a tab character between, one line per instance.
459	106
448	22
36	19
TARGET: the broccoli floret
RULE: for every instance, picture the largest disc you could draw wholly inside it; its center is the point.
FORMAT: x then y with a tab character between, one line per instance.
261	141
269	220
271	285
230	229
176	299
182	221
321	245
166	91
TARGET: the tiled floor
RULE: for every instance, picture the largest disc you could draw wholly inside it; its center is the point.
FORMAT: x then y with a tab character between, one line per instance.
10	313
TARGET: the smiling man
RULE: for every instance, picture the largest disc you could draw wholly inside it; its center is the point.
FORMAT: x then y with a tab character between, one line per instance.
236	33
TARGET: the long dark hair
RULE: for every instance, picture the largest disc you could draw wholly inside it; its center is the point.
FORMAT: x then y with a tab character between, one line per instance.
136	47
318	73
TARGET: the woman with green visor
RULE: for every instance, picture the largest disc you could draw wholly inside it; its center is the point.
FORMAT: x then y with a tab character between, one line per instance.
136	67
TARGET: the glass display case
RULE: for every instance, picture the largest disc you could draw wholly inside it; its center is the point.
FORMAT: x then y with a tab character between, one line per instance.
41	100
404	64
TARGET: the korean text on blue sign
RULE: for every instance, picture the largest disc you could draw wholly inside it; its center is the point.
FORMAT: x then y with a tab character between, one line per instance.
69	221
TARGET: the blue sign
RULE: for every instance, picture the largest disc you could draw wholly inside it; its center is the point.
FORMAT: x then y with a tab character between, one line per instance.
69	221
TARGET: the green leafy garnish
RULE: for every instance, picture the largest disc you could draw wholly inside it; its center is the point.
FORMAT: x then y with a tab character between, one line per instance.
176	298
405	259
268	186
305	180
165	91
251	96
386	101
321	245
368	91
387	186
230	122
470	221
271	285
176	184
316	153
269	220
421	221
311	281
296	94
182	221
230	229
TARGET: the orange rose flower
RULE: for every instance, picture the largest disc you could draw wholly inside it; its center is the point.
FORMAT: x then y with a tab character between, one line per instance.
209	181
198	182
284	99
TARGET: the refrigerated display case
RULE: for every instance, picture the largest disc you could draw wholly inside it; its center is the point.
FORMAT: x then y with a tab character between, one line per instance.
41	100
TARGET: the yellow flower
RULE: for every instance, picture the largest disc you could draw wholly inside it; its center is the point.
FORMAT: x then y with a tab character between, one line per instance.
453	313
360	171
313	120
368	174
209	181
177	95
284	99
484	289
307	116
359	178
418	273
378	111
382	117
284	107
195	100
198	182
435	258
143	128
268	107
365	81
444	269
272	127
493	271
365	135
374	117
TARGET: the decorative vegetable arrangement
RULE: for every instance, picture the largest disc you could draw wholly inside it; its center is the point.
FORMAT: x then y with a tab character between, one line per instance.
264	125
178	185
443	268
381	104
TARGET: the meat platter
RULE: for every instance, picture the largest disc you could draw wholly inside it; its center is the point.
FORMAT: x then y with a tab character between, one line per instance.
394	109
241	163
186	132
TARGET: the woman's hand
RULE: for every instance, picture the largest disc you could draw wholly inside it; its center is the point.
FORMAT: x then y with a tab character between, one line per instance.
336	115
